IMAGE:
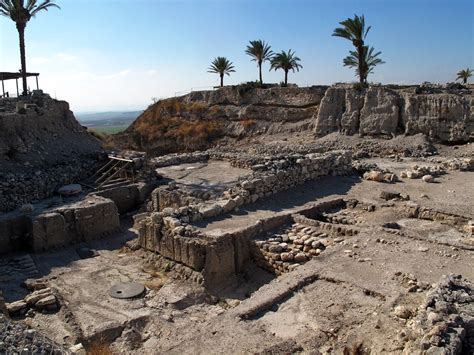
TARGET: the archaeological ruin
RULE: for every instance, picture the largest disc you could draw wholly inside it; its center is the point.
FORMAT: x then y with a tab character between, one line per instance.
250	220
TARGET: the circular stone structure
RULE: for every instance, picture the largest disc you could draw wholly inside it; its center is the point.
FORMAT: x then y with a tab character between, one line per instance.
126	290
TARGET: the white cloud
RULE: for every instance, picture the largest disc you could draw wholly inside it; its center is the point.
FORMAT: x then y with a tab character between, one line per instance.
119	74
66	56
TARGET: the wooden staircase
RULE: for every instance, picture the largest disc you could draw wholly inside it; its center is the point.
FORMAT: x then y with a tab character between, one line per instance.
116	172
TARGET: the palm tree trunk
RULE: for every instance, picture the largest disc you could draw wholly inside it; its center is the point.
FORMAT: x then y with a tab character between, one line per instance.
21	32
260	72
360	56
286	77
464	80
222	80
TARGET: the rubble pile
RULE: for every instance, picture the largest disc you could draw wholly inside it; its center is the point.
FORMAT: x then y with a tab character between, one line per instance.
445	322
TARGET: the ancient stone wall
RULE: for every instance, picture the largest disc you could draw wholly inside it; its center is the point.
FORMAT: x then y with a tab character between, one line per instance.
217	258
128	197
265	180
82	221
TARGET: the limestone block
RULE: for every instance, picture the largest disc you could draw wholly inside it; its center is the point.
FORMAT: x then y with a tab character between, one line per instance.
48	230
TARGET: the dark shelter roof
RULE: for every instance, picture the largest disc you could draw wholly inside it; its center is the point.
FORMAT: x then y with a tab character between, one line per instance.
14	75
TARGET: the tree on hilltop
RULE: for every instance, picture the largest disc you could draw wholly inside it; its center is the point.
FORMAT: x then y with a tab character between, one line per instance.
363	58
21	13
286	61
369	62
260	52
221	66
464	75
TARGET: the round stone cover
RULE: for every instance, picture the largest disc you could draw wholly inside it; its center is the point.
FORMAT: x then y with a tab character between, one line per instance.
126	290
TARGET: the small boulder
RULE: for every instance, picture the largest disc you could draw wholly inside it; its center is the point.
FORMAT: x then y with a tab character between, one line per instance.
389	195
374	175
402	312
390	177
34	297
46	301
16	306
286	257
428	178
300	258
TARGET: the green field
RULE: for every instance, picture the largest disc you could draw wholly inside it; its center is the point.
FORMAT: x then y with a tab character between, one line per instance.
109	129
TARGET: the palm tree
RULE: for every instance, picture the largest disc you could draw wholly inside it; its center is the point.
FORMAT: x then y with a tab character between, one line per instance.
354	30
286	61
464	75
260	52
21	14
221	66
369	61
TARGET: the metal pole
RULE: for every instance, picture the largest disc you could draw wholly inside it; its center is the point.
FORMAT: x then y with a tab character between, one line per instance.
17	91
3	88
37	86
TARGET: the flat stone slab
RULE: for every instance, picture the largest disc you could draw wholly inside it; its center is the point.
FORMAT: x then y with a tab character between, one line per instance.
69	190
127	290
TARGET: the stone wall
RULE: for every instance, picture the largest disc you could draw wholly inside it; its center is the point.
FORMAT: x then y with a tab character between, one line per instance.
168	232
92	218
129	197
266	179
443	116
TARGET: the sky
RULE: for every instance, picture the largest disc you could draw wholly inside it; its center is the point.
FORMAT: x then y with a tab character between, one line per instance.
114	55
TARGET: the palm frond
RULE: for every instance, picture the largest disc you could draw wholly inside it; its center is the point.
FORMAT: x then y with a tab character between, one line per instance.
259	51
286	61
221	65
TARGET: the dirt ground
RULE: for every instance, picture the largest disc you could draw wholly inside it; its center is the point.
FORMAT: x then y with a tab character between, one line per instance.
342	299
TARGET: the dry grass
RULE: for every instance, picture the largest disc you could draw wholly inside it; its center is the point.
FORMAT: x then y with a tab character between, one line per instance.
196	107
99	347
185	124
248	123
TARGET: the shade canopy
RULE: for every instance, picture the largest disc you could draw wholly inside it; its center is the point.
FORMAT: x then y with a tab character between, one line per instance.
14	75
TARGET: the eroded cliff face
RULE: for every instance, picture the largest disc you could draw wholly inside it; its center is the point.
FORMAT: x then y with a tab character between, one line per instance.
41	149
380	111
201	119
44	133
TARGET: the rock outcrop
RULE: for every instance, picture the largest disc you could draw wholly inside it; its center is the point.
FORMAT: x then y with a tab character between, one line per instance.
201	119
381	111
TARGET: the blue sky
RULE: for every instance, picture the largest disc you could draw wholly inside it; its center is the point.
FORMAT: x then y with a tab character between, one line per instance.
117	54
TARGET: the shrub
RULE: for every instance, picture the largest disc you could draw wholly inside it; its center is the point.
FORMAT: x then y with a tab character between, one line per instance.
196	107
359	86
